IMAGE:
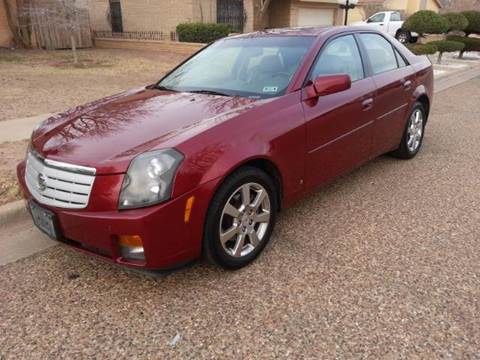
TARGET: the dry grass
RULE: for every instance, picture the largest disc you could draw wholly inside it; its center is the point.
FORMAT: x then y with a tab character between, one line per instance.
11	153
34	82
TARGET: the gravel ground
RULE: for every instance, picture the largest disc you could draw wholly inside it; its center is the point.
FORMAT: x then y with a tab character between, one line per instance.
384	263
36	82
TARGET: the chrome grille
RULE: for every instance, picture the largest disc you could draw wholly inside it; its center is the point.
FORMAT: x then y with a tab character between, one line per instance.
58	184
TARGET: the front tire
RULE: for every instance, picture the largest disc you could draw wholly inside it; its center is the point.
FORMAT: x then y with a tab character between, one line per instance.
413	134
240	218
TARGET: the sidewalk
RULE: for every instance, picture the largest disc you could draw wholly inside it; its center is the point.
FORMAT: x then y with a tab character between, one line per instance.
19	129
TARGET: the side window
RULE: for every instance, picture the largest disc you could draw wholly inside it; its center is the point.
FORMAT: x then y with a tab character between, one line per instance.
395	17
380	53
400	59
377	18
339	56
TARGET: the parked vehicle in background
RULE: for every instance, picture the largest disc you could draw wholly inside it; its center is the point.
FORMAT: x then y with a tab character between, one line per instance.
390	22
201	162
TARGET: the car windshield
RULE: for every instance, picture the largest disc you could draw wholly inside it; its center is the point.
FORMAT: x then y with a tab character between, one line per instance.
255	67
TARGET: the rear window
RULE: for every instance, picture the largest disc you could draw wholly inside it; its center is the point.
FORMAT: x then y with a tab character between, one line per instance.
380	53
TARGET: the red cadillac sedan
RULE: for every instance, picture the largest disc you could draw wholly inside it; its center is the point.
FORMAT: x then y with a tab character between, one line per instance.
201	162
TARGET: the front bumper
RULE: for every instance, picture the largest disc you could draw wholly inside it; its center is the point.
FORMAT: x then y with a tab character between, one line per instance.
168	240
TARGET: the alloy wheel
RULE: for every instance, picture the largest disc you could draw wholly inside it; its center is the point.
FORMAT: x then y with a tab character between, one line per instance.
245	219
402	38
415	131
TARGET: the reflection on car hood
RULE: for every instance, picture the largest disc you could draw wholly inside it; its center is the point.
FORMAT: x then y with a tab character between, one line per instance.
108	133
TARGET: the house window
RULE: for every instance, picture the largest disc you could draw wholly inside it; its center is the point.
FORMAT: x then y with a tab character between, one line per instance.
231	12
116	16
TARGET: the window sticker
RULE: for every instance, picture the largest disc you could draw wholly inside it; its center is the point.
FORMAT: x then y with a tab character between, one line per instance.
270	89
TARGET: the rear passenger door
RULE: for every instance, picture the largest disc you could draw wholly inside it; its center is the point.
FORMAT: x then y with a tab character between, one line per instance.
394	80
340	125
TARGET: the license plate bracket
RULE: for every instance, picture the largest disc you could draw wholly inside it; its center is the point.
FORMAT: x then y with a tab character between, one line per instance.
45	220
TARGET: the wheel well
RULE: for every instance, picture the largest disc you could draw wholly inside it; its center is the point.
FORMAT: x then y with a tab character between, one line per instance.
271	169
423	99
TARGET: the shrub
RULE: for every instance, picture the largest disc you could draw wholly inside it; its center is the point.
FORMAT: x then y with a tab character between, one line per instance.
446	46
471	44
422	49
456	21
473	18
202	32
426	22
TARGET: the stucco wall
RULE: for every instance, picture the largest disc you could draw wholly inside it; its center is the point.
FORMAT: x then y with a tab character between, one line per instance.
99	10
432	5
415	5
5	33
356	14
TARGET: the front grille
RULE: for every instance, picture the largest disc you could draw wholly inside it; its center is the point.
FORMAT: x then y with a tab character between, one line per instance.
58	184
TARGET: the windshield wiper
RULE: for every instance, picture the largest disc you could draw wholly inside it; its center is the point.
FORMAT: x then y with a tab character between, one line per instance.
209	92
161	87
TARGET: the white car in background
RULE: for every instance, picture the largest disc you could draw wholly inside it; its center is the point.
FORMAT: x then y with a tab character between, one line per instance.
391	23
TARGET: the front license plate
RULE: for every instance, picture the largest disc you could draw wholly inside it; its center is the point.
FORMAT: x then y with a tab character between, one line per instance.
45	220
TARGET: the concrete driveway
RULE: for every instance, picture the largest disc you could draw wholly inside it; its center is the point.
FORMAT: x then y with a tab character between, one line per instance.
383	263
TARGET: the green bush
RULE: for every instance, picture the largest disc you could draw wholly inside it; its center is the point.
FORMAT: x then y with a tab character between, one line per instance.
471	44
456	21
447	45
426	22
473	18
202	32
422	49
444	46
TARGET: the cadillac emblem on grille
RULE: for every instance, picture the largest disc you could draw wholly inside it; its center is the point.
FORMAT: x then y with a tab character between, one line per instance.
41	182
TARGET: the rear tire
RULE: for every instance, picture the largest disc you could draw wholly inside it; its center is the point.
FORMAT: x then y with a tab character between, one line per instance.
403	36
240	218
413	134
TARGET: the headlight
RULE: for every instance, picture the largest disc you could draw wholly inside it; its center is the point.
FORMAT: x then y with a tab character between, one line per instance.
149	178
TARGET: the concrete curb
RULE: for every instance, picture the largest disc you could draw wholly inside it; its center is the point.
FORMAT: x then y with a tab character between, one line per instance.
455	79
12	212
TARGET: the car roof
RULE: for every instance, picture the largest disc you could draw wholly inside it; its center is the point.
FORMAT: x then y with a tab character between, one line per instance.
302	31
292	31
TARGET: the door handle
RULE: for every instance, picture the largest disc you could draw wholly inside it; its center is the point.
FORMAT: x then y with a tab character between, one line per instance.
407	84
367	104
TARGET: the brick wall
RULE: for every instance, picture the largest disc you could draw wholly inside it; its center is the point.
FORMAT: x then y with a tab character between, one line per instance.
153	15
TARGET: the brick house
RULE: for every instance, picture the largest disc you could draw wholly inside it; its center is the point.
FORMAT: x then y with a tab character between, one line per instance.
246	15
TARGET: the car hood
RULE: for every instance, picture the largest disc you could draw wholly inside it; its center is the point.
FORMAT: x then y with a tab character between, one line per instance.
108	133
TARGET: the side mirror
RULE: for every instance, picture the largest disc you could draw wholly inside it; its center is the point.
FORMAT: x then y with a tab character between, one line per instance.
329	84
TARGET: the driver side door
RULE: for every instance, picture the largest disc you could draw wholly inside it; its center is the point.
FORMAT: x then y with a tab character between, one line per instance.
339	125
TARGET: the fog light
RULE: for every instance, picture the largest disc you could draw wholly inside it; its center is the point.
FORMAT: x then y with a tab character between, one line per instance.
131	247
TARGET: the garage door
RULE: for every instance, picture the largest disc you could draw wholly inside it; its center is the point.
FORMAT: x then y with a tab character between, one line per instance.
314	17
